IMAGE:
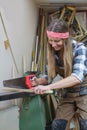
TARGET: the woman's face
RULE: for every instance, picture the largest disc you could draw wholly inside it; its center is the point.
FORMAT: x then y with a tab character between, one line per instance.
56	43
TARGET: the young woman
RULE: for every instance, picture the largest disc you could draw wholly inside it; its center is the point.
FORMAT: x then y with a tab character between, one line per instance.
70	61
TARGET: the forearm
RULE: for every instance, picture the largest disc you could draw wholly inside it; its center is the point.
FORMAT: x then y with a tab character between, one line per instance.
65	83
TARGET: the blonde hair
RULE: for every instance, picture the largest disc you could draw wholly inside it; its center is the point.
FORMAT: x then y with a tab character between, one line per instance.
67	57
51	62
67	60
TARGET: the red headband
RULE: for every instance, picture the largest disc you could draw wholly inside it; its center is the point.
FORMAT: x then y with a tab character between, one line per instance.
58	35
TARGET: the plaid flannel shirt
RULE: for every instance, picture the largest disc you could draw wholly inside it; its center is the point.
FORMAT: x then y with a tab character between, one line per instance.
80	61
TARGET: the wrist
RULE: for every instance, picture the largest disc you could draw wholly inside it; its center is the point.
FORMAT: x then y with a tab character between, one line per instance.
50	87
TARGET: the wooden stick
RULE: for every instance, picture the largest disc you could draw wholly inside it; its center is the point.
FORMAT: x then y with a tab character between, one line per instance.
16	89
24	90
23	64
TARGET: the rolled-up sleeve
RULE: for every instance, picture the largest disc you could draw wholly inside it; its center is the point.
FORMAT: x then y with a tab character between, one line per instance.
80	62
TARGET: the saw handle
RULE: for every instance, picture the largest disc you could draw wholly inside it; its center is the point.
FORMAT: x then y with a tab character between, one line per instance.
28	80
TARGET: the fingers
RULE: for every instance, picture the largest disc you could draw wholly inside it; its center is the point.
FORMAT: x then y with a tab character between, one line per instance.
40	89
37	90
34	81
33	78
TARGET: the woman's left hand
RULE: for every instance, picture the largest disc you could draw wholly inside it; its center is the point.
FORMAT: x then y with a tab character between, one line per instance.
40	89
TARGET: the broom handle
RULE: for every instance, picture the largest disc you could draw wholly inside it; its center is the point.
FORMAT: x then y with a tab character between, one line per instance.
24	90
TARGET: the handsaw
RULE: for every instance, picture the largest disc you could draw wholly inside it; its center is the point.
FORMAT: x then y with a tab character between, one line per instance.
18	85
20	82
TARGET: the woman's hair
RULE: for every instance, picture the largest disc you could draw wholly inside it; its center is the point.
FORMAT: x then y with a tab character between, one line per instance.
60	26
57	25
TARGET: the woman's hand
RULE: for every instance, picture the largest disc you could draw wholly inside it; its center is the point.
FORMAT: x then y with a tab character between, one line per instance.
38	81
34	81
40	89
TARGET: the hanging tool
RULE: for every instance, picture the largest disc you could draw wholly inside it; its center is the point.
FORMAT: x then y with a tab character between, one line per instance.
7	42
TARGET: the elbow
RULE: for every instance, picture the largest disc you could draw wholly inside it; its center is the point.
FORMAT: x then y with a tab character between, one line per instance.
79	76
77	79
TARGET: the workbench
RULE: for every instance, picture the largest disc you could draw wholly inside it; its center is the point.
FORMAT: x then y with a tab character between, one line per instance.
13	95
34	113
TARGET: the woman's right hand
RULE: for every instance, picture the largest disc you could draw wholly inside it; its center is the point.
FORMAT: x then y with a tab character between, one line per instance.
40	89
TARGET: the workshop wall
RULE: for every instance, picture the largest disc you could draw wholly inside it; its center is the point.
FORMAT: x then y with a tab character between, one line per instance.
20	20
